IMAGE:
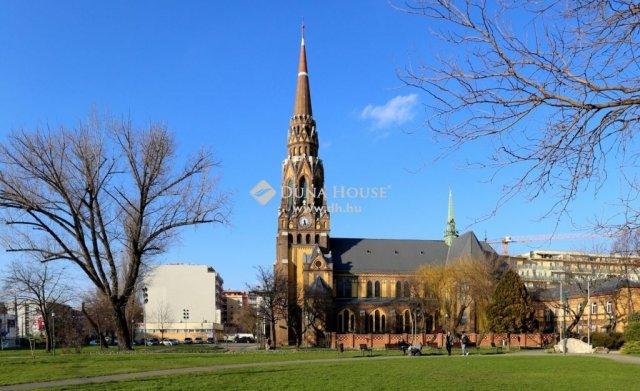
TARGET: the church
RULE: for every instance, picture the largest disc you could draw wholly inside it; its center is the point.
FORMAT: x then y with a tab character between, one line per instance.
367	280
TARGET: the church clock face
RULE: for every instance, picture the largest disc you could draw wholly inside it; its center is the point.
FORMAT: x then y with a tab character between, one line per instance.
304	221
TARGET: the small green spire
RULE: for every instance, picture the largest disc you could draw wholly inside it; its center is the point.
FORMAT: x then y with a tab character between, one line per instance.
450	231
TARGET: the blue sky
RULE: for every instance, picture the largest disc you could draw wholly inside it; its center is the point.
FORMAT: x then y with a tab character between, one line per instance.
223	74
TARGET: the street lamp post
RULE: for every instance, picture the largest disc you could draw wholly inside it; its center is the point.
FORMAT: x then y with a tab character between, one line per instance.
53	332
589	316
144	315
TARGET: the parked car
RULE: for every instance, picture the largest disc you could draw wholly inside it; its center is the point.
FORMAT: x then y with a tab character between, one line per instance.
245	340
211	340
153	341
188	341
166	342
93	342
198	341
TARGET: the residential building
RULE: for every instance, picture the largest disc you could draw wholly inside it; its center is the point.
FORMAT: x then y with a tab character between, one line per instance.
542	268
603	306
184	300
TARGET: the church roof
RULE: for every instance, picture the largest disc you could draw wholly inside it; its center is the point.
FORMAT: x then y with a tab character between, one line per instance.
467	245
399	255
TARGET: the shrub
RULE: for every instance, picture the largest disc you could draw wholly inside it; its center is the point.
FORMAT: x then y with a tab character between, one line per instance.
632	347
611	341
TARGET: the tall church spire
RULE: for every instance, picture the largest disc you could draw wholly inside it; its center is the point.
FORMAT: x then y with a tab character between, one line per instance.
450	231
302	105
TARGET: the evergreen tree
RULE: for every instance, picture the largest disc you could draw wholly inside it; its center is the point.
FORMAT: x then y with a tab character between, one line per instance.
511	309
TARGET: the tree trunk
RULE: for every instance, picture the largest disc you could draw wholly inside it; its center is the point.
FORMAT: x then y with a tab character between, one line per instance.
273	332
122	325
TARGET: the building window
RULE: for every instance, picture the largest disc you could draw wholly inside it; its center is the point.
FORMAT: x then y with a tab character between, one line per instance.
547	315
377	322
290	192
405	322
609	307
377	289
303	191
346	321
579	307
369	289
594	308
406	289
398	289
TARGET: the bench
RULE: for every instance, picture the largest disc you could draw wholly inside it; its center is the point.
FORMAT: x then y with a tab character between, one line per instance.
400	346
365	348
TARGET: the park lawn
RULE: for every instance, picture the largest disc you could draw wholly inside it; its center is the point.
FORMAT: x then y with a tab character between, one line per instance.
18	366
497	372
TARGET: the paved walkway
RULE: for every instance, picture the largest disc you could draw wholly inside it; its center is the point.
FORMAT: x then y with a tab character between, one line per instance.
179	371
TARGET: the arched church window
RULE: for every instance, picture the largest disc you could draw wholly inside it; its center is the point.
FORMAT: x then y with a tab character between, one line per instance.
290	239
369	289
303	190
317	239
299	239
290	192
406	289
399	289
377	322
406	321
308	239
377	289
346	321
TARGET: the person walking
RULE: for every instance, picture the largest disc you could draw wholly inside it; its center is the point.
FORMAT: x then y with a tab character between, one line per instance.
448	342
464	340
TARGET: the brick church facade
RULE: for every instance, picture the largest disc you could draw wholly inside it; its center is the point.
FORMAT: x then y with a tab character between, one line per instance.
367	280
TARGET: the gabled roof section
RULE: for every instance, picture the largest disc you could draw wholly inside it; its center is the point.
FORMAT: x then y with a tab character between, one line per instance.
468	245
319	286
385	255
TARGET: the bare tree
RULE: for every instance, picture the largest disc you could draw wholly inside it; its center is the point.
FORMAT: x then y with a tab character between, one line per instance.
272	288
41	285
105	197
317	307
96	309
552	85
162	315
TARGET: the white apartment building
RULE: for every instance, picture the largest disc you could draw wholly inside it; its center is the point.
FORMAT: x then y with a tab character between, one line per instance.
183	301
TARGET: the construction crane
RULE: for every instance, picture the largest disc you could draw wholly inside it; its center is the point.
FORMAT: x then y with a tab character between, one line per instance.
543	238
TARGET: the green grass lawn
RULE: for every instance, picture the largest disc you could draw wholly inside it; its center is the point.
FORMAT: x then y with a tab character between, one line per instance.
500	372
481	370
19	367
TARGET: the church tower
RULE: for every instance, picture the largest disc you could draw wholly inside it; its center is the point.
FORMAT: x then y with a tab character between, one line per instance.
450	231
303	218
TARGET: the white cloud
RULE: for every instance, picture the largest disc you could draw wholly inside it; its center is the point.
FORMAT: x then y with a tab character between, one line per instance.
396	111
